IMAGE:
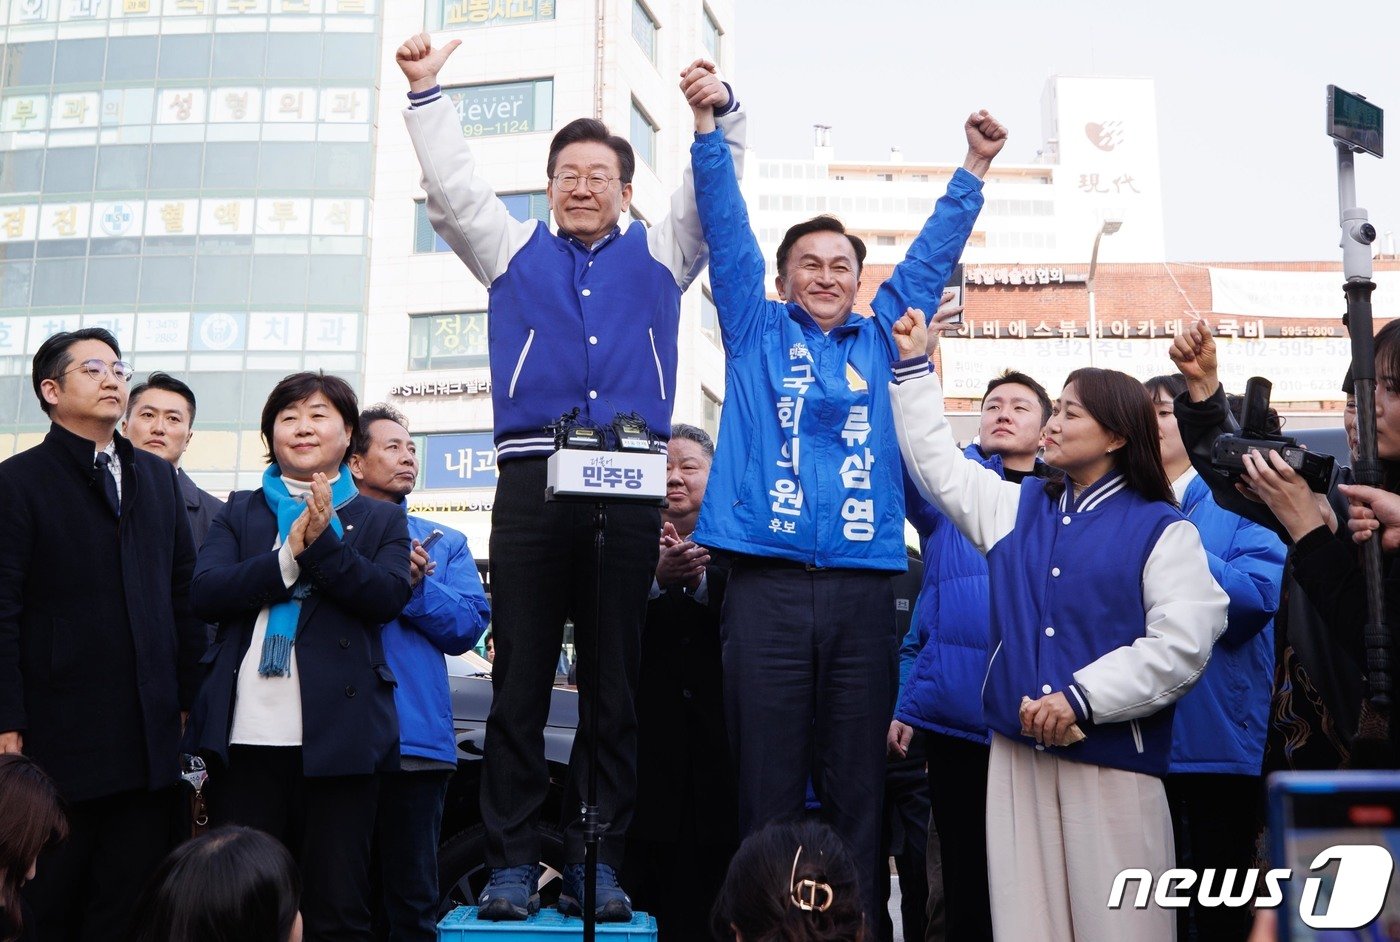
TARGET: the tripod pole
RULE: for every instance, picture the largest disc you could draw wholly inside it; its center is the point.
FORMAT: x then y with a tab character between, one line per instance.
592	830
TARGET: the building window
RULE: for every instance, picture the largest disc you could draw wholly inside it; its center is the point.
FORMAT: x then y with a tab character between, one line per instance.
710	409
523	206
709	316
710	34
643	135
644	29
447	341
503	107
884	240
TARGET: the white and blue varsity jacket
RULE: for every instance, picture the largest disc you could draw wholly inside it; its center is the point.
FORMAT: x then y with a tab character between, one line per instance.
570	325
1107	598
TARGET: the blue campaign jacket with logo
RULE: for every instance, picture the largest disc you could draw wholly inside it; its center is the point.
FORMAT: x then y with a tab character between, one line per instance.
1220	724
446	614
771	349
944	656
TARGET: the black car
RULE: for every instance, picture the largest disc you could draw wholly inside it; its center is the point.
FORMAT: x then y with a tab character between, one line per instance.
462	869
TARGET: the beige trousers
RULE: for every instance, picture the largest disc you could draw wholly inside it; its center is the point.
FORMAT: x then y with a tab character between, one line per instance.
1058	832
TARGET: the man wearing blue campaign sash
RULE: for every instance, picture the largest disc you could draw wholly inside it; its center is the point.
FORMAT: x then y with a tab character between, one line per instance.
807	492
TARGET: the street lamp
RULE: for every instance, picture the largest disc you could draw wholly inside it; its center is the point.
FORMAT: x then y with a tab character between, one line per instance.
1110	226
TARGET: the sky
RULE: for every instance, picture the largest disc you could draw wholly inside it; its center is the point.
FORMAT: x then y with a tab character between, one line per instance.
1248	171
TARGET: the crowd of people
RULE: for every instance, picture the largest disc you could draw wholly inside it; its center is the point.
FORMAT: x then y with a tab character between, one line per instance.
1110	641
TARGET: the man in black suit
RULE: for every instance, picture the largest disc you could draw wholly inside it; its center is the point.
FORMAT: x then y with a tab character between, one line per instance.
160	419
685	827
98	647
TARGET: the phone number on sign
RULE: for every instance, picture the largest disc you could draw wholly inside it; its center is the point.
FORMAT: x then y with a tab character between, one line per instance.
500	127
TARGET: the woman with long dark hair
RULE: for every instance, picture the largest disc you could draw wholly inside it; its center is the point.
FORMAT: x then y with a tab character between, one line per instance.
31	818
231	884
1103	614
296	713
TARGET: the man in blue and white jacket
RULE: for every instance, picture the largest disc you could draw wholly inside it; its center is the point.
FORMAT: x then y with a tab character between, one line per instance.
807	494
446	614
585	318
943	661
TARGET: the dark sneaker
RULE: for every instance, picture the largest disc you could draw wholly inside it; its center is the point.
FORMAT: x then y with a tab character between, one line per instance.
613	903
513	893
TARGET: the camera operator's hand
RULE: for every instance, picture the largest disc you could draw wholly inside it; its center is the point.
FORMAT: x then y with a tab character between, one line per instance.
1373	510
1268	478
1193	352
910	334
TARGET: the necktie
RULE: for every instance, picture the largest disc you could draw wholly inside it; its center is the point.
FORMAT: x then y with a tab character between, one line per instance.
109	482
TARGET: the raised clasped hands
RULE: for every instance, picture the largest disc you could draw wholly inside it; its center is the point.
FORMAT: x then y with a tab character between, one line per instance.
704	91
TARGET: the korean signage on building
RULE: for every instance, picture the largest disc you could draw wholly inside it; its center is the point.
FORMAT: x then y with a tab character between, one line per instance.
474	14
462	460
504	107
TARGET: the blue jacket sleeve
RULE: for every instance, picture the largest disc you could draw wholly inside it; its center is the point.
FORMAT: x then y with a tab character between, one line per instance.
1251	573
449	607
918	280
914	639
736	264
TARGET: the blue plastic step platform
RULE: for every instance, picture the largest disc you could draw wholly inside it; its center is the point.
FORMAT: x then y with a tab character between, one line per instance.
461	925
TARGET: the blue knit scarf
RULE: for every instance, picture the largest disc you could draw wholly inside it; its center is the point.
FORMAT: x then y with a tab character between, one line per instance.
282	617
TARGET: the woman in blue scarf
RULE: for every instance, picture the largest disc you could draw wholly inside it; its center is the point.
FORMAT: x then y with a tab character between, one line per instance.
296	712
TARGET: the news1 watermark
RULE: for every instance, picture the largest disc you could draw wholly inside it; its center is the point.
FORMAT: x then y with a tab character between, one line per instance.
1355	897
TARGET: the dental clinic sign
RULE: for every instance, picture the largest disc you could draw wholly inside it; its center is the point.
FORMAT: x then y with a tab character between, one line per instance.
1354	898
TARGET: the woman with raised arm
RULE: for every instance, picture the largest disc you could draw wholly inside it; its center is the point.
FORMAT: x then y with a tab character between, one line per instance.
1103	614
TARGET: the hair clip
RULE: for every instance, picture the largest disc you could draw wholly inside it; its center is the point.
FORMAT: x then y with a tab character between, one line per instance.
809	895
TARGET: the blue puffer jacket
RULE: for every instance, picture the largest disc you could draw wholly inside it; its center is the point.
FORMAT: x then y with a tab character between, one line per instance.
446	614
943	660
1220	724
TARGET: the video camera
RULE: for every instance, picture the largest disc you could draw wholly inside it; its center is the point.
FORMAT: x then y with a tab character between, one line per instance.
1227	454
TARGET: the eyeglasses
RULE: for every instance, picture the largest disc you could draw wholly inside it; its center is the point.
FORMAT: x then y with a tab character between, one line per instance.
597	182
98	370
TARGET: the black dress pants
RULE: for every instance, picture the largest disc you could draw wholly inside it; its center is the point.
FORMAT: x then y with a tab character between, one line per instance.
86	887
542	574
1216	821
809	681
957	781
326	822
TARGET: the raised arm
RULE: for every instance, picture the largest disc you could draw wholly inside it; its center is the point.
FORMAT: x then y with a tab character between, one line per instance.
679	241
980	504
919	279
462	207
736	264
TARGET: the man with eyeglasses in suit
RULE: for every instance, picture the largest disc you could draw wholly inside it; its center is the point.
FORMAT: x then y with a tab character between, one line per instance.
99	650
579	318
